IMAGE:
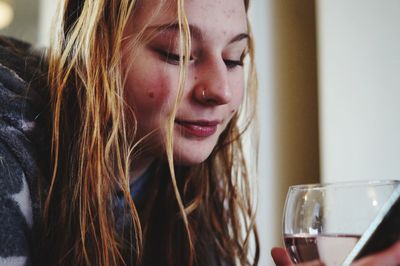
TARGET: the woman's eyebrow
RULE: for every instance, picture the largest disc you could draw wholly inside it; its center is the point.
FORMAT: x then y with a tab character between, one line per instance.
239	37
195	32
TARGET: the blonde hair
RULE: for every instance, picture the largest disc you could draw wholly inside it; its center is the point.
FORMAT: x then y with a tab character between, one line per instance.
92	151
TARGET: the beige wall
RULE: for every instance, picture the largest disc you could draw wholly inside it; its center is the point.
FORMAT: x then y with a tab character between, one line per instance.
48	8
286	58
357	101
359	55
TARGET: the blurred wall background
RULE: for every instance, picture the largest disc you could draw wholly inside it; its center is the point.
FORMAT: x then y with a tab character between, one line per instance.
329	93
286	49
25	22
359	89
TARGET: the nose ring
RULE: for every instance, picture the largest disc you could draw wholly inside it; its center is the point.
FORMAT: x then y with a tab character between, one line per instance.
203	94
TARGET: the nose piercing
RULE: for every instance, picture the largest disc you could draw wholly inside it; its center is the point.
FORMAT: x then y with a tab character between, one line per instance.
203	94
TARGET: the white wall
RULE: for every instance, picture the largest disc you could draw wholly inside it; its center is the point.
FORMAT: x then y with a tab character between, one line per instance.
359	81
47	9
284	32
267	219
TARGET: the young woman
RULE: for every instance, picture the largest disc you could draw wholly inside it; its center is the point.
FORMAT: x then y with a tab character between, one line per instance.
140	127
121	145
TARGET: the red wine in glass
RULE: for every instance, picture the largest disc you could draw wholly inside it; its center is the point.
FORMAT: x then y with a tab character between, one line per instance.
331	249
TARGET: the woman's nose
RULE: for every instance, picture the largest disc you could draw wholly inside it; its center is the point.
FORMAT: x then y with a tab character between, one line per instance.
211	85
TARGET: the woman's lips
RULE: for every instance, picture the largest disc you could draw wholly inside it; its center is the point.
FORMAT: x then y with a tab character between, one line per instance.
200	129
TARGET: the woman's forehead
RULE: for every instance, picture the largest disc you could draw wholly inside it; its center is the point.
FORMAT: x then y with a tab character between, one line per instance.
227	14
168	8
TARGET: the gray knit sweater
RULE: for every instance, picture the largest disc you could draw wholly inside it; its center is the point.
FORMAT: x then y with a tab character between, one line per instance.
22	148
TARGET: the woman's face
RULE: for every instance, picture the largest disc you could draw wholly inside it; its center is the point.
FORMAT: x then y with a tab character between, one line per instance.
214	82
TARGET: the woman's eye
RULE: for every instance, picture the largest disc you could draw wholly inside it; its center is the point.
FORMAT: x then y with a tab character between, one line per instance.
168	57
231	64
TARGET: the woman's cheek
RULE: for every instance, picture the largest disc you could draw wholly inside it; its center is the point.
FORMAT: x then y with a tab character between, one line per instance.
156	91
238	93
150	92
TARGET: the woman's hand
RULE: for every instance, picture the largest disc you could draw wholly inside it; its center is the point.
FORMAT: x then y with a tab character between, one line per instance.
388	257
281	258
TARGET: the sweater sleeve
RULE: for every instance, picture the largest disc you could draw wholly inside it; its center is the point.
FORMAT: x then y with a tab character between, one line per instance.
19	168
15	211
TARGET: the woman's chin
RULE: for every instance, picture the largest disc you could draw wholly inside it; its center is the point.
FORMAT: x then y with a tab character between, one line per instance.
192	151
191	157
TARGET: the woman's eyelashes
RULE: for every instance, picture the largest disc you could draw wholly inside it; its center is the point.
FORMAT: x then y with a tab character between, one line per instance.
231	64
173	59
169	57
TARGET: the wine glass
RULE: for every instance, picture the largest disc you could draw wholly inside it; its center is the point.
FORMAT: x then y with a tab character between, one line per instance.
324	222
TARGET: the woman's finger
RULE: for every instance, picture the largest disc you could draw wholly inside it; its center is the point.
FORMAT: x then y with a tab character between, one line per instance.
281	257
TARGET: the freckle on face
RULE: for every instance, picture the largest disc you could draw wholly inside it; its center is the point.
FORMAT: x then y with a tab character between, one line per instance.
151	94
